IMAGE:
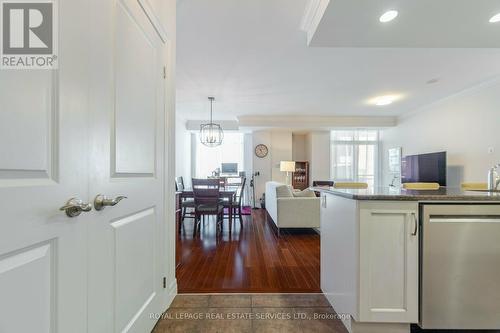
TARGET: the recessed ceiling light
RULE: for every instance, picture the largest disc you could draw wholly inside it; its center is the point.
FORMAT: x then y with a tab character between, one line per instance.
388	16
384	100
495	18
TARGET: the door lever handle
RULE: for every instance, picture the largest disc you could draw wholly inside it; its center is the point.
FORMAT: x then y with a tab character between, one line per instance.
101	201
75	207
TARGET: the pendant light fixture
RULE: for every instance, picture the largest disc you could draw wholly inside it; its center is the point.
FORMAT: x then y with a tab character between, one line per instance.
211	134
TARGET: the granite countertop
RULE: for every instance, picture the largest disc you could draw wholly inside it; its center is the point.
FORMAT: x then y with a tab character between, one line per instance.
399	194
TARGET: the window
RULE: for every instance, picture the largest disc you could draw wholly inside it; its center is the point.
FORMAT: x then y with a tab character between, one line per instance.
354	155
207	159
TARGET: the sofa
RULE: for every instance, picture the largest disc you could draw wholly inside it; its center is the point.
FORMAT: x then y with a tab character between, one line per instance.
289	209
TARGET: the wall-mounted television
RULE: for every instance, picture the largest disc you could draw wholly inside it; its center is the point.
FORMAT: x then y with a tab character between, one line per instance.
229	168
424	168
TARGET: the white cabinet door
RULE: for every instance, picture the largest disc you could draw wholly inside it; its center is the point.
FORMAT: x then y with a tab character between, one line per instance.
388	262
339	252
43	163
126	263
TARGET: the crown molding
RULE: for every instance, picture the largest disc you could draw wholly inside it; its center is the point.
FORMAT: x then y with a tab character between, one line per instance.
227	125
314	122
313	14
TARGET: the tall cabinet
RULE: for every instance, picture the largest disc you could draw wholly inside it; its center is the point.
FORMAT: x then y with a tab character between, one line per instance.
300	178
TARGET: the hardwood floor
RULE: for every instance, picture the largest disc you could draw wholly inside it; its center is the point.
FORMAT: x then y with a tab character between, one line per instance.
249	259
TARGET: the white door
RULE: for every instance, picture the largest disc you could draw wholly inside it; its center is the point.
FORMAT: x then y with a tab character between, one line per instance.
127	120
43	163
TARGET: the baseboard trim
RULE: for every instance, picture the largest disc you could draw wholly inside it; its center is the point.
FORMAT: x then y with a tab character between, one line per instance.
270	220
171	293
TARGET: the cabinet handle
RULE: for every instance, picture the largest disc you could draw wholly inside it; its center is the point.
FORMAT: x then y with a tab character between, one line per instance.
415	230
324	201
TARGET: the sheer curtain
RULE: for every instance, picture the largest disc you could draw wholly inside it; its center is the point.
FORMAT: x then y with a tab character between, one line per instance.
354	155
207	159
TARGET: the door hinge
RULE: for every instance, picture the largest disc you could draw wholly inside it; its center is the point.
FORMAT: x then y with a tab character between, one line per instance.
164	282
164	72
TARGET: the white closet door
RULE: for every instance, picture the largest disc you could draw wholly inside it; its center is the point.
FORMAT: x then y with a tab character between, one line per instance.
43	163
127	140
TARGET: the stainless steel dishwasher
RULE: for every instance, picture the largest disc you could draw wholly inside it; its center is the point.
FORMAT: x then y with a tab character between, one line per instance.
460	266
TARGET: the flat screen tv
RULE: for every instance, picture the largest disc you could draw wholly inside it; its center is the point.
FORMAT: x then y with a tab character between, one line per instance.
229	168
424	168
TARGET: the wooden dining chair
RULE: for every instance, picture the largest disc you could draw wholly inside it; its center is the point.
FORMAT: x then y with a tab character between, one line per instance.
186	203
237	202
207	201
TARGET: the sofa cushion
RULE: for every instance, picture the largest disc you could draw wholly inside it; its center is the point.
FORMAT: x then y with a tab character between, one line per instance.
305	193
283	191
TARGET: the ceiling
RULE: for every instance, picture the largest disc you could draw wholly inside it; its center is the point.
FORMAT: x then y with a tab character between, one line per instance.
253	57
420	23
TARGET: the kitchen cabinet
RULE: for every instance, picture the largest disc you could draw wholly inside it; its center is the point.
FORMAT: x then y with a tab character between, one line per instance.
388	262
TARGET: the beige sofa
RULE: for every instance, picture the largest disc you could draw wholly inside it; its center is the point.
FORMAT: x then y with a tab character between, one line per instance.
289	211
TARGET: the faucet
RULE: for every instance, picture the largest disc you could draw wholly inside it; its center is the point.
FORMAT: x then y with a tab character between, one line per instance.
493	178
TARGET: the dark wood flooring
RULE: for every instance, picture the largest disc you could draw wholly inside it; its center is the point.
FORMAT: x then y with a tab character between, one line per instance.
251	259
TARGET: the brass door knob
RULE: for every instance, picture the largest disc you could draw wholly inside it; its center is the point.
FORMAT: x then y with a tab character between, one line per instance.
101	201
75	207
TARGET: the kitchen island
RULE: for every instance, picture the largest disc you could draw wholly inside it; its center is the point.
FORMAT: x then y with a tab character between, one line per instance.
372	250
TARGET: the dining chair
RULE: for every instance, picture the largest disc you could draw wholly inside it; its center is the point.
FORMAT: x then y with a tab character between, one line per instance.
179	184
186	203
207	201
237	201
323	183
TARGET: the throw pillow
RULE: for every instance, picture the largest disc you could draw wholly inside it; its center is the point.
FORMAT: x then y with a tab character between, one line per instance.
284	191
305	193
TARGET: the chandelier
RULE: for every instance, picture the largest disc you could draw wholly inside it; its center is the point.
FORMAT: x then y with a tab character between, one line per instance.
211	134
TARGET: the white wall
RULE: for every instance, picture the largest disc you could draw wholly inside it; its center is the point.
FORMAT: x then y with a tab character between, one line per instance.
285	146
279	144
281	150
248	157
318	155
466	125
299	152
182	151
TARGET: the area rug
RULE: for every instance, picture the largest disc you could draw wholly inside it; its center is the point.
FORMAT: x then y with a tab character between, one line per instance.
245	210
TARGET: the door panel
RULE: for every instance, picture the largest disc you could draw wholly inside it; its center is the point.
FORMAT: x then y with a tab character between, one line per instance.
30	156
127	138
135	264
43	163
27	277
136	81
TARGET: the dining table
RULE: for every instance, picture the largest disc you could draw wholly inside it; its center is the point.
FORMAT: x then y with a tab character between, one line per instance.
228	192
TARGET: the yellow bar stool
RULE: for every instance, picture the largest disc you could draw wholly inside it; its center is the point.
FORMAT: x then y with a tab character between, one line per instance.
474	186
421	186
350	185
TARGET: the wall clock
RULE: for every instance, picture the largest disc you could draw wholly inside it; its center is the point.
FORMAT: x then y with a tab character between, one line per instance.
261	150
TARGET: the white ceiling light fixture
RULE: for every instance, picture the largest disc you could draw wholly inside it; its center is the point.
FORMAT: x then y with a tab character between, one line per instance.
211	134
495	18
384	100
388	16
